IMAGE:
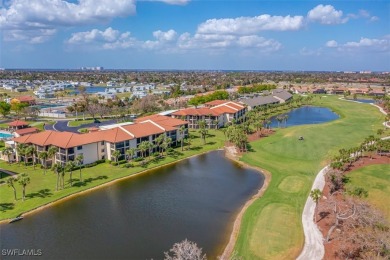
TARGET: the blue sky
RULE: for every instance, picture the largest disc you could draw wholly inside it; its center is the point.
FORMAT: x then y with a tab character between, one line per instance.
185	34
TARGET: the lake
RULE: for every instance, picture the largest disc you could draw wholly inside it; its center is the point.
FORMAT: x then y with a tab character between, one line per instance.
307	115
141	217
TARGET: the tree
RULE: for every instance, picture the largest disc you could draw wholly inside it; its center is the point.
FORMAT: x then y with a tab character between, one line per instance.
5	108
79	160
24	180
51	152
21	151
116	155
10	183
57	168
69	167
316	196
43	156
202	130
167	141
130	153
7	152
182	131
185	250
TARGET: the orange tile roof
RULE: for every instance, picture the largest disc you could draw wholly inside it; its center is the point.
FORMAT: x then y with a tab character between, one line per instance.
154	125
25	98
144	129
215	102
203	111
17	123
28	130
164	121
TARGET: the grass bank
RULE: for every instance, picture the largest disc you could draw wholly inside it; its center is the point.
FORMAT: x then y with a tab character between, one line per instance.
41	190
376	180
271	227
77	123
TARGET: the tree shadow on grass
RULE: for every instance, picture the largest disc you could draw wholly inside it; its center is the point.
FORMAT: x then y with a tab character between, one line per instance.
6	206
40	194
175	154
211	143
89	180
196	148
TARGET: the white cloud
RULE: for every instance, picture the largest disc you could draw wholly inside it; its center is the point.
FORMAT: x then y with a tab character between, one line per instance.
365	15
364	44
224	41
326	14
107	39
27	14
34	17
32	36
331	44
250	25
164	40
165	36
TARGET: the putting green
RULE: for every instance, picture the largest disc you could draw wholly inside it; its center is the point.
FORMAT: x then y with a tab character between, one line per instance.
292	184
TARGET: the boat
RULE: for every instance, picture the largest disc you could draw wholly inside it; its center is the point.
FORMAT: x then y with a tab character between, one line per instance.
16	219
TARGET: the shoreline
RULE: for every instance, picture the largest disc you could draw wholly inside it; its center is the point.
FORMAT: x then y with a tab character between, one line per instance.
83	192
229	248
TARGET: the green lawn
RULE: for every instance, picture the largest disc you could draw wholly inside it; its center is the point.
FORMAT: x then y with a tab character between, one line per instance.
77	123
376	180
271	227
41	190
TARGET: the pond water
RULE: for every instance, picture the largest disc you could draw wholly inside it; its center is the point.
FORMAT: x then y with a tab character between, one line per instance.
367	101
307	115
141	217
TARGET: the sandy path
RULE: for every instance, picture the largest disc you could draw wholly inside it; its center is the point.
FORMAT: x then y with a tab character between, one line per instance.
314	247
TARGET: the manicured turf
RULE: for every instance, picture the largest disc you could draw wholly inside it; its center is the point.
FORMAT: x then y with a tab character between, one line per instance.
77	123
271	227
41	190
376	180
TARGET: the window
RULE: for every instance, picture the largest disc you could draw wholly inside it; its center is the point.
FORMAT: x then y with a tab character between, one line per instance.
102	143
102	150
127	143
79	148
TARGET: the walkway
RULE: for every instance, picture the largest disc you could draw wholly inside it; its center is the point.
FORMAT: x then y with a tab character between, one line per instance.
314	245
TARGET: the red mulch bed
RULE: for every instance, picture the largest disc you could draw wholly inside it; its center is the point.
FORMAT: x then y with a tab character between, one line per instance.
264	133
325	222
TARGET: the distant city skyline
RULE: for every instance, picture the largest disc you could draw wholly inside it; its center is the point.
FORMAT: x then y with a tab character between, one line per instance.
196	35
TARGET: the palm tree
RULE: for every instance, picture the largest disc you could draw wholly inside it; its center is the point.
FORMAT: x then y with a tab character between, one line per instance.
130	153
116	155
24	179
69	167
51	152
43	156
182	131
33	151
143	147
279	119
57	168
79	160
316	196
7	152
202	130
27	153
21	151
285	117
159	140
10	183
167	141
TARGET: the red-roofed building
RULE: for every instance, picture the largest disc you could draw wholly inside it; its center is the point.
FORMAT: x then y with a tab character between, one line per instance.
97	145
25	131
216	114
26	99
17	124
